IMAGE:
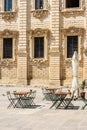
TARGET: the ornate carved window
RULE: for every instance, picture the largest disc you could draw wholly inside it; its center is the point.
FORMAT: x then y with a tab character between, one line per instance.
72	45
39	44
72	40
7	48
72	6
40	8
8	41
39	47
8	9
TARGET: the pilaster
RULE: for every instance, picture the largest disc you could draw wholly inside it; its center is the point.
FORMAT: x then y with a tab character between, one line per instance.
22	46
54	70
85	48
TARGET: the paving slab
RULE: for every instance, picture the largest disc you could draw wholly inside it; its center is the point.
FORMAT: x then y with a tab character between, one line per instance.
41	117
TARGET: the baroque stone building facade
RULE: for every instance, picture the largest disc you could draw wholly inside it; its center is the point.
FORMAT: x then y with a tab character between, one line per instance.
38	38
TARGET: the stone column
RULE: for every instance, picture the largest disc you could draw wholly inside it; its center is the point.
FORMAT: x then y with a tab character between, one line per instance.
85	47
54	70
22	45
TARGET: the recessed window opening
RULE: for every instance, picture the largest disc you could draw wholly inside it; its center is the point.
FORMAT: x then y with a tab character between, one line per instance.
72	3
39	47
38	4
7	47
8	5
72	45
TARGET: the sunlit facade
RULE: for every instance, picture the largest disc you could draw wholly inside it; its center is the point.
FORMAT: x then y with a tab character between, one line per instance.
37	41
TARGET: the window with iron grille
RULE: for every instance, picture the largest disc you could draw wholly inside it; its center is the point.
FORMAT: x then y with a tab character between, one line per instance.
7	47
72	45
38	4
39	47
72	3
7	5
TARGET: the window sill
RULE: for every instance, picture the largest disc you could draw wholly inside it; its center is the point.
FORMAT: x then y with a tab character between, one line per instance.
8	15
72	11
40	13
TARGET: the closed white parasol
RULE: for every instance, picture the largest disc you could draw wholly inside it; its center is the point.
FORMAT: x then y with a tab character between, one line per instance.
75	84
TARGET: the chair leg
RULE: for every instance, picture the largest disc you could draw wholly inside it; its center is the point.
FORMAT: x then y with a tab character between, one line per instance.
84	106
53	104
67	104
11	104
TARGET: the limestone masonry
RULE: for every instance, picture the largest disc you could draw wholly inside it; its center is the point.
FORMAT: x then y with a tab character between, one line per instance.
37	41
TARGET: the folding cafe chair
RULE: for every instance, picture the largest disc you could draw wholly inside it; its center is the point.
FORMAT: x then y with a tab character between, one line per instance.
12	99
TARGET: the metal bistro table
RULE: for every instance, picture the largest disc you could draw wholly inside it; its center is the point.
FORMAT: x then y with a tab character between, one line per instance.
59	99
24	98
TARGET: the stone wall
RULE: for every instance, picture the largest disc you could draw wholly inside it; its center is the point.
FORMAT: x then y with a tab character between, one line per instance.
54	22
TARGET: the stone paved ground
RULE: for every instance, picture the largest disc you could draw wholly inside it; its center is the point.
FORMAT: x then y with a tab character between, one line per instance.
40	118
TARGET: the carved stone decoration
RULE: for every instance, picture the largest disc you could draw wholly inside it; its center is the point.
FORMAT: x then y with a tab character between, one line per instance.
8	63
7	33
85	51
8	15
40	13
68	62
38	62
73	30
39	32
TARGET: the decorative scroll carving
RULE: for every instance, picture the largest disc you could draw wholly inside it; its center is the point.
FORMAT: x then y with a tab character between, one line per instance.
40	13
8	15
7	33
8	62
39	32
68	62
73	30
38	62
